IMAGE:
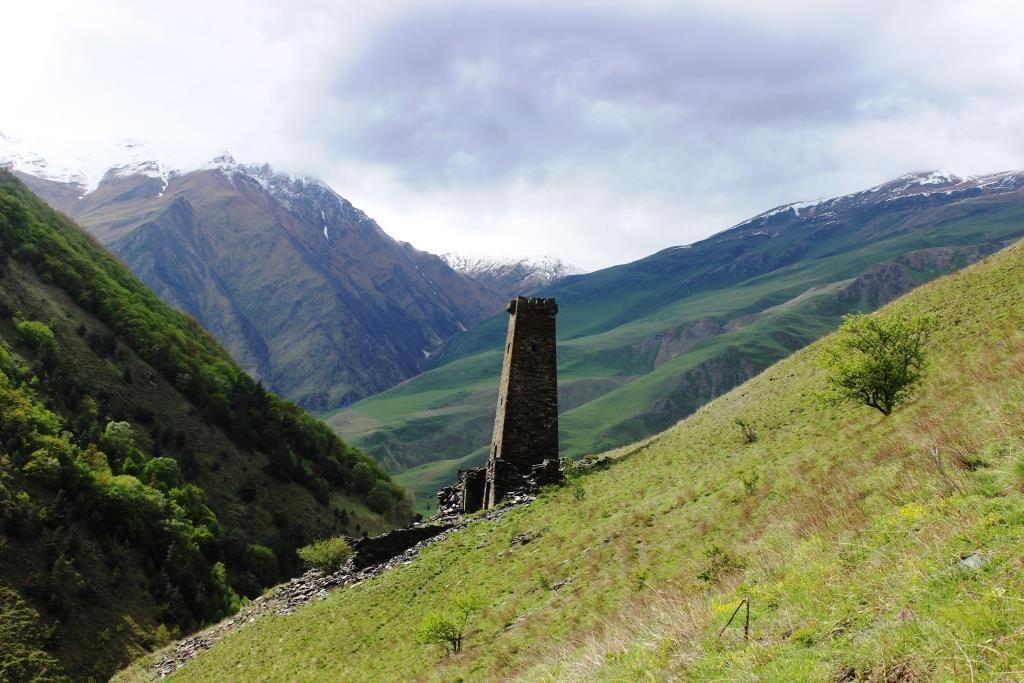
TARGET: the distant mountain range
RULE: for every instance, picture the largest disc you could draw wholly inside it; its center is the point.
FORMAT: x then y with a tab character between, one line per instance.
512	277
646	343
302	288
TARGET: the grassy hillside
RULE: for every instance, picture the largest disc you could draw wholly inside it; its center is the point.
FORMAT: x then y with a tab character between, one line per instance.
645	344
146	483
871	548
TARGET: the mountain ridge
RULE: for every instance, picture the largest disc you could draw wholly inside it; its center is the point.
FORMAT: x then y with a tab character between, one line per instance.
303	288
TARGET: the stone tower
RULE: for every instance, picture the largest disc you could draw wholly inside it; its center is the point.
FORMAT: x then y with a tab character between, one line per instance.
524	448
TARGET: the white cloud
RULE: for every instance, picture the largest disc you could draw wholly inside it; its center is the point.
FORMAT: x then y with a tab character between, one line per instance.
582	130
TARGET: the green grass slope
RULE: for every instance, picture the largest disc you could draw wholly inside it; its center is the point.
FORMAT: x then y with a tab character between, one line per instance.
845	529
645	344
146	483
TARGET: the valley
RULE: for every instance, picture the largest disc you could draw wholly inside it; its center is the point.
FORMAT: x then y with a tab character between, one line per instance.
644	344
537	342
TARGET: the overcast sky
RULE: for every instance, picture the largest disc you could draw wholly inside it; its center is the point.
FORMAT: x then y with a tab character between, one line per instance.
587	131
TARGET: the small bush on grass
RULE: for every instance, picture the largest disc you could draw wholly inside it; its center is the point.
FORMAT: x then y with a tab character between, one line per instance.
327	555
572	473
720	563
747	430
447	629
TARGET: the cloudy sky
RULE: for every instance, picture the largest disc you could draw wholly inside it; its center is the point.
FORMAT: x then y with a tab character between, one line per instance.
590	131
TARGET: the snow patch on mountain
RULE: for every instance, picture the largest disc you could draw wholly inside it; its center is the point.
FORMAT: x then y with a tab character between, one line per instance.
921	184
309	198
48	162
511	275
473	265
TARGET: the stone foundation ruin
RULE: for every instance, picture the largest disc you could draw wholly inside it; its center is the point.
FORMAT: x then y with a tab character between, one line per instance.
524	448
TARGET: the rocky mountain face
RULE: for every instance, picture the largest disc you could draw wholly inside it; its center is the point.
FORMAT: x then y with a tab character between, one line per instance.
644	344
302	288
512	277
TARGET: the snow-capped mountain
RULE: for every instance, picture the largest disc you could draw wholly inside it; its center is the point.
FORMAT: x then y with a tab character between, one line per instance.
512	277
930	187
312	199
305	290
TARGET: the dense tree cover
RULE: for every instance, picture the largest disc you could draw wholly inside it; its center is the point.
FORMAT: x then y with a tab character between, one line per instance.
301	448
49	484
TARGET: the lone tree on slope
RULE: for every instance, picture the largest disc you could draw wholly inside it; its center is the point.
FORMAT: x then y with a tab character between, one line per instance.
875	360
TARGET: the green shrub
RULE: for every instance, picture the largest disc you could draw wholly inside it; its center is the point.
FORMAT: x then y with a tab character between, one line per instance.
43	466
572	473
447	629
747	430
162	473
263	563
720	563
380	498
118	442
438	629
36	336
130	507
327	555
362	478
40	340
875	360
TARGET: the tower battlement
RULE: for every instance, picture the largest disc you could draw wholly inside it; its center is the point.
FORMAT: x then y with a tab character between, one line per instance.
532	305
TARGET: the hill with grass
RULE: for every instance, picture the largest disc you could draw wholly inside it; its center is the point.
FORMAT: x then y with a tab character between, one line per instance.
869	547
644	344
303	289
147	483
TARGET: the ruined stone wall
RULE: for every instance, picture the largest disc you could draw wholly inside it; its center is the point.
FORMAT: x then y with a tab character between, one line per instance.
473	483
